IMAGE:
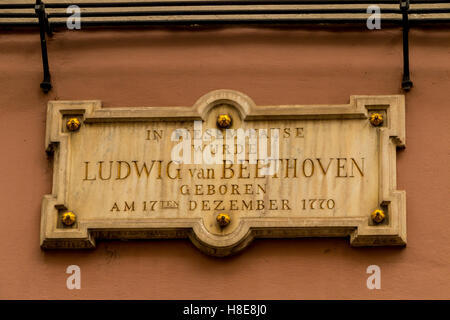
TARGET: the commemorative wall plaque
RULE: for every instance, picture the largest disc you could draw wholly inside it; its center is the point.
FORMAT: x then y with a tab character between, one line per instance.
225	171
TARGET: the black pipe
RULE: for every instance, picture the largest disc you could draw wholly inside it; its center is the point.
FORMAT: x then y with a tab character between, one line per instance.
214	3
224	12
13	24
234	3
428	10
226	21
17	15
406	81
40	11
44	25
246	21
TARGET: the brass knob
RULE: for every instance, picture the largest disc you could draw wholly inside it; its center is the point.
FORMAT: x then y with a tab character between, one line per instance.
68	218
224	121
73	124
376	119
223	219
378	216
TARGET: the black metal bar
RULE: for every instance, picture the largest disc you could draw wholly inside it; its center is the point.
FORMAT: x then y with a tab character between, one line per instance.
241	17
190	22
429	10
11	24
223	12
406	81
17	6
195	3
40	11
233	3
228	21
215	3
264	21
17	15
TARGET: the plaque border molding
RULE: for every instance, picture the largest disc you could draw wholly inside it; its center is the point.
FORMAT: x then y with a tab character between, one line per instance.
360	230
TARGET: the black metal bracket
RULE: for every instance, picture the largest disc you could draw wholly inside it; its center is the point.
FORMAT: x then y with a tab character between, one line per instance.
225	16
406	81
44	28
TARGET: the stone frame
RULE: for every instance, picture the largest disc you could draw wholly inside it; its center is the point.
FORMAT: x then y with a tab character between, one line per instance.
360	230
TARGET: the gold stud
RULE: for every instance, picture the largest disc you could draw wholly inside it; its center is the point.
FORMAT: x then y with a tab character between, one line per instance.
378	216
223	219
73	124
224	121
376	119
68	218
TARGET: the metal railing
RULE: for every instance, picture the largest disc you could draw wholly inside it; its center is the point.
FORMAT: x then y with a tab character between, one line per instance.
223	12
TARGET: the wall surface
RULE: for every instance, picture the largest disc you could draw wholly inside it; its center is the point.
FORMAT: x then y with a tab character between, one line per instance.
175	67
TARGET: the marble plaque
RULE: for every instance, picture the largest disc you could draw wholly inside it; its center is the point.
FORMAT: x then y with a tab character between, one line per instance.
174	172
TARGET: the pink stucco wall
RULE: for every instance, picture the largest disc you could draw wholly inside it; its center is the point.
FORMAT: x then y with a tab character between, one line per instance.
162	68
